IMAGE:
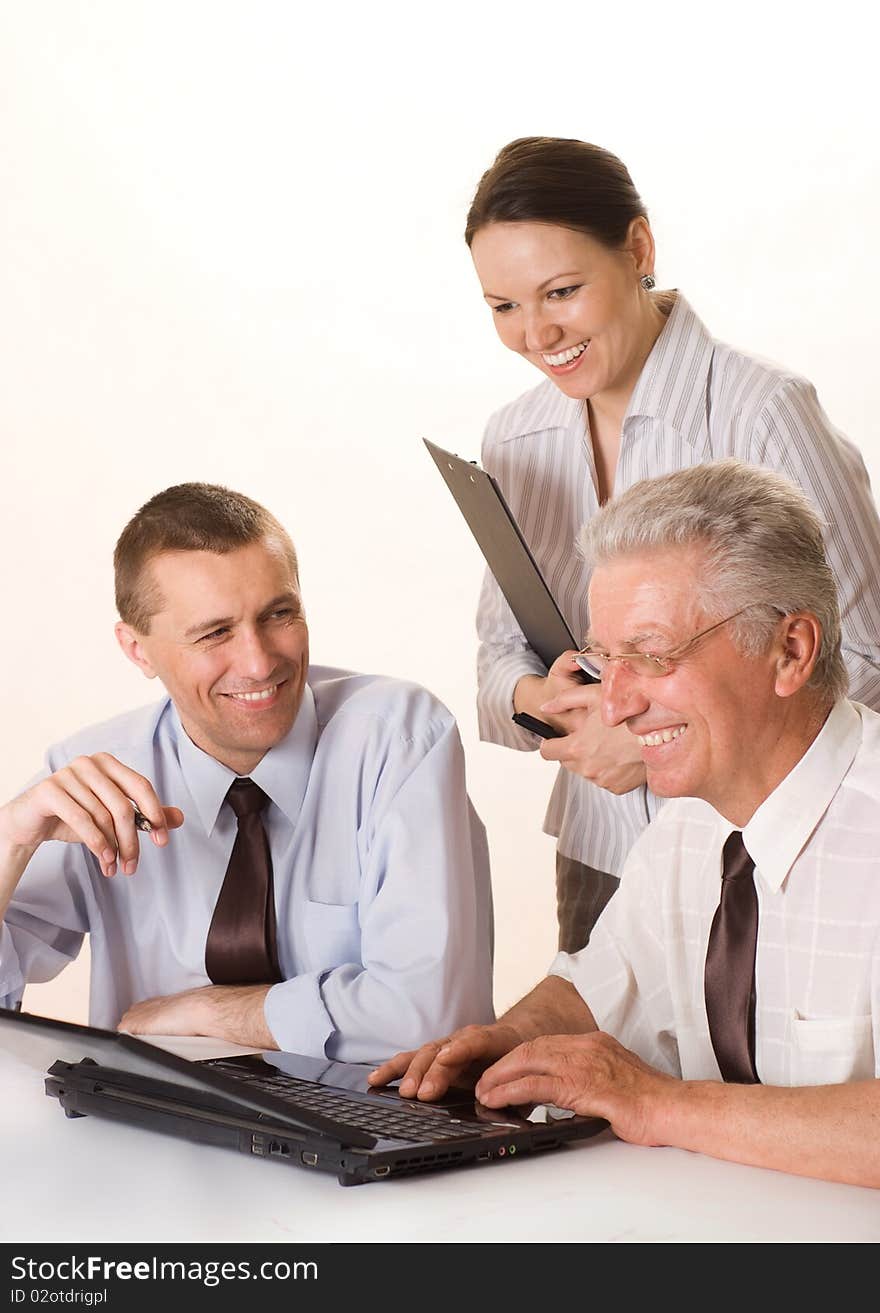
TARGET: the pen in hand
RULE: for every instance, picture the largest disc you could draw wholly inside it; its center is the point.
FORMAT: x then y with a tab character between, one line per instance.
141	822
172	818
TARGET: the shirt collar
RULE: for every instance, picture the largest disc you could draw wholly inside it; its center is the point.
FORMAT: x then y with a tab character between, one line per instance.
552	410
672	386
781	826
283	773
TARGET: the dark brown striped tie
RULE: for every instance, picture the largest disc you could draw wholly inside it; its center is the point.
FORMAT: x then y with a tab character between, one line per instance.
730	966
241	948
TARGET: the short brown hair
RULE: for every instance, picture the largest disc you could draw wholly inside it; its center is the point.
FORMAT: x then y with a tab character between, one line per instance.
189	517
561	181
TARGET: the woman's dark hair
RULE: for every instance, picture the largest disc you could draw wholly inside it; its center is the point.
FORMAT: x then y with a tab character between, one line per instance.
557	180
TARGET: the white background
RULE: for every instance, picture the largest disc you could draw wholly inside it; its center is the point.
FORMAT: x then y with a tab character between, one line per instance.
231	251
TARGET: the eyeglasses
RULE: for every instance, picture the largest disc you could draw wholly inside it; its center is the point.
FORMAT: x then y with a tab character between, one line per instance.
595	662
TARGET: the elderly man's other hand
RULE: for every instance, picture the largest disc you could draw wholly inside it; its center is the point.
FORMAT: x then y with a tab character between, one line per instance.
592	1075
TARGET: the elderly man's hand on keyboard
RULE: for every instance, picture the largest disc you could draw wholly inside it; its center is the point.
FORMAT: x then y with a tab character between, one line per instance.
458	1059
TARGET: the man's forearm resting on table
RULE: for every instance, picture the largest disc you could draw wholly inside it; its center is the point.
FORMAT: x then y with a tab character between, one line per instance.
826	1131
233	1013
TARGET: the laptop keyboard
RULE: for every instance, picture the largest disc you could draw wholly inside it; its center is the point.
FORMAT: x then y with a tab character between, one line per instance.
382	1120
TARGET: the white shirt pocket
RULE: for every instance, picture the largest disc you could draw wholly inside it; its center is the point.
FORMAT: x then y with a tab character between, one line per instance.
332	935
831	1050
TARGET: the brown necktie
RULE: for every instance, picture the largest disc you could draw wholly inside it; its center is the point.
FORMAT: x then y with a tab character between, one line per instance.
241	940
730	966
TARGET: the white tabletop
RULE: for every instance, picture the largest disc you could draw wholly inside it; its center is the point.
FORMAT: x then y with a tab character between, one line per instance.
88	1179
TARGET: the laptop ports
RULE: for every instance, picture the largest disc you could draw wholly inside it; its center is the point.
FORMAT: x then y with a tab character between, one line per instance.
309	1159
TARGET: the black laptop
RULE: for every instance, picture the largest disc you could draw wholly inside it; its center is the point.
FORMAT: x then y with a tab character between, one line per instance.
283	1106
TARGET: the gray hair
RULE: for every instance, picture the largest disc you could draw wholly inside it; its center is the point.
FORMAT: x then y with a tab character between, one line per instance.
763	546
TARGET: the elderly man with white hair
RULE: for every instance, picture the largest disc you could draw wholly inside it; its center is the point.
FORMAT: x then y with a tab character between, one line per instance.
728	1001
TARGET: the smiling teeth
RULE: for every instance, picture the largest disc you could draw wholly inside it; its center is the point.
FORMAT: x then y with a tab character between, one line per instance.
565	357
262	696
663	736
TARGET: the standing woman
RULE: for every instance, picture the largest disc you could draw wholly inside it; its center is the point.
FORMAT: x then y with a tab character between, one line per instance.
634	386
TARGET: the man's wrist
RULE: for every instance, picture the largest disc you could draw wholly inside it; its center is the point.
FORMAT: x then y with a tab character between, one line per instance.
14	854
236	1013
515	1033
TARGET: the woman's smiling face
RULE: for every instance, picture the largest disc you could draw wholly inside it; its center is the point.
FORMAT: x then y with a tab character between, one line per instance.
570	305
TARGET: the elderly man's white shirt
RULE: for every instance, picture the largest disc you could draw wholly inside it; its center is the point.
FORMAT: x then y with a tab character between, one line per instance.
815	842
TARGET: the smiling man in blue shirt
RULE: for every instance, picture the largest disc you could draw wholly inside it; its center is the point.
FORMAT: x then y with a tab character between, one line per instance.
378	860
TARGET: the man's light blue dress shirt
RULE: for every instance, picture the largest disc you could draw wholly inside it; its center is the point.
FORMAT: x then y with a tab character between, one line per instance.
381	875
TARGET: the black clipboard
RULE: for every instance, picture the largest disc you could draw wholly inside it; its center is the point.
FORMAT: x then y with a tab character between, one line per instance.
507	554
